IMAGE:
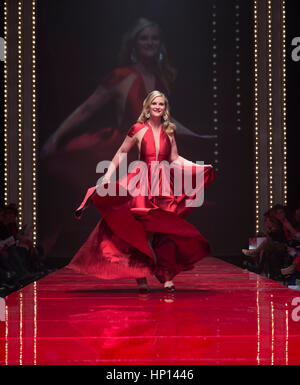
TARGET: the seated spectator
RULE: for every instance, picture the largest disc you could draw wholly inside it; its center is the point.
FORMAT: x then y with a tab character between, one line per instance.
294	269
20	262
10	260
272	254
295	220
20	243
279	212
274	232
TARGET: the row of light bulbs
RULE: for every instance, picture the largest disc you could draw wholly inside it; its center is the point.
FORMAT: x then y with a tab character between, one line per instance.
256	117
34	135
5	158
20	122
283	96
270	105
284	126
215	84
5	109
20	165
238	68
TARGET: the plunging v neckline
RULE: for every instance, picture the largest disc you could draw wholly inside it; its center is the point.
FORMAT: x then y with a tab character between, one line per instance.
159	135
139	73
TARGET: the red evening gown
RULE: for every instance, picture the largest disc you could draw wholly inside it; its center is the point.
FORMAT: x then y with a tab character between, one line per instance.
143	234
73	164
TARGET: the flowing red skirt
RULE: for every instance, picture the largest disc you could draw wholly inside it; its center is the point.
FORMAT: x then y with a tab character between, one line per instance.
141	235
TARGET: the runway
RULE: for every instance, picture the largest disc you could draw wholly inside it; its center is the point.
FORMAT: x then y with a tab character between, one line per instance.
220	314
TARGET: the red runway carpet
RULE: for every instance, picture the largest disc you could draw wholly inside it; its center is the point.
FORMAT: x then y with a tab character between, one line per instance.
220	314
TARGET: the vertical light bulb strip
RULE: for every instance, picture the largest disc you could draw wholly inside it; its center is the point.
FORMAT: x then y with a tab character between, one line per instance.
34	136
270	106
5	128
20	119
256	117
238	65
215	85
284	126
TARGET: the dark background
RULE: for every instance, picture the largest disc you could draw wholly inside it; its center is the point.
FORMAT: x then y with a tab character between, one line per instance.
78	44
78	41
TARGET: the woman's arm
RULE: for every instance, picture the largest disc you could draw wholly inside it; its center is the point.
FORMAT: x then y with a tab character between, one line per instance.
182	130
174	156
100	97
125	147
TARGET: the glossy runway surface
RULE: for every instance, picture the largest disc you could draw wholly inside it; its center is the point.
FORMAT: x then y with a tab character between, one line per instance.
220	314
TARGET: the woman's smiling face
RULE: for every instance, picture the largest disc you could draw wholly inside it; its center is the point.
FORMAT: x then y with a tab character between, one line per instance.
148	42
157	107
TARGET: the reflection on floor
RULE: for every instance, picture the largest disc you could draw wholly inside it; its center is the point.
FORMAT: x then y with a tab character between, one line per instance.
220	314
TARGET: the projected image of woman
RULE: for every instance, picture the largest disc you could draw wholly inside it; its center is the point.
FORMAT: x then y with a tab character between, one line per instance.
72	153
143	67
143	230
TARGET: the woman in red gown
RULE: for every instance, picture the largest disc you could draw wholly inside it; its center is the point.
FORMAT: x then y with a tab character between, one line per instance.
144	232
84	138
78	142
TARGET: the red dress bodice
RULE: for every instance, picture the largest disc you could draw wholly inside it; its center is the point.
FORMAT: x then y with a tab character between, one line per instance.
148	150
119	245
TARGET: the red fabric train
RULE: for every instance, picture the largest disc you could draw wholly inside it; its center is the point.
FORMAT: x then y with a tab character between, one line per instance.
140	235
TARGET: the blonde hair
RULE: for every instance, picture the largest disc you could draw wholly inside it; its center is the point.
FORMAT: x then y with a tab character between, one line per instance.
164	70
169	127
